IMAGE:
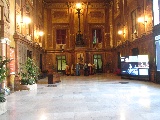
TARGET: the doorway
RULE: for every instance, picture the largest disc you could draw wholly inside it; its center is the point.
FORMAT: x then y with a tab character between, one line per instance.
61	63
40	63
97	58
29	54
135	51
119	60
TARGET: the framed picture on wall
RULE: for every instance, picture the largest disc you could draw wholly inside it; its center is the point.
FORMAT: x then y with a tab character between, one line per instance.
80	58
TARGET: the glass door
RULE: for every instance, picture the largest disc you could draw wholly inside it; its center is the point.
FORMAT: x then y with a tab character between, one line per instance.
61	63
98	63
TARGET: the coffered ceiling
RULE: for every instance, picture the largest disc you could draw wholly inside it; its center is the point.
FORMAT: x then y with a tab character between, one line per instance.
57	1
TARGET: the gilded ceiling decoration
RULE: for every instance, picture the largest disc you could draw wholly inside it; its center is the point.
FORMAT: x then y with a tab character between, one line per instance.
54	1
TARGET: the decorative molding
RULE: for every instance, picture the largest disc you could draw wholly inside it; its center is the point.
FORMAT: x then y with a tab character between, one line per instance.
96	14
96	5
94	25
59	14
56	5
6	29
6	9
59	5
64	26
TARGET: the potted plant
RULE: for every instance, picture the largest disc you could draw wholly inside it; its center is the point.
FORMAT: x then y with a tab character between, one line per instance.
3	74
29	72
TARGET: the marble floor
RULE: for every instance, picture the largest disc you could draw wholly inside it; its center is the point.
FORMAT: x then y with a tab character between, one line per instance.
95	97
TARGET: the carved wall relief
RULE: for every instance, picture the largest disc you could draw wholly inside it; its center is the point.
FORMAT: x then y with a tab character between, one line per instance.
6	9
96	17
96	14
60	16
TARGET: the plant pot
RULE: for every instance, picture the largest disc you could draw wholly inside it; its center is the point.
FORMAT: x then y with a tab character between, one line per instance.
3	107
28	87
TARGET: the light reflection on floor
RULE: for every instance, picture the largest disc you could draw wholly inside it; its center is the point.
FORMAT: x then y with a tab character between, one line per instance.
95	97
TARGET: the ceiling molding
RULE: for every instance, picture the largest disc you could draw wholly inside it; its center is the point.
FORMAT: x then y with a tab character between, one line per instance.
59	1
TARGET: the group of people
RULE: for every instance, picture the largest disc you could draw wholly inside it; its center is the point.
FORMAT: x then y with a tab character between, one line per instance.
86	69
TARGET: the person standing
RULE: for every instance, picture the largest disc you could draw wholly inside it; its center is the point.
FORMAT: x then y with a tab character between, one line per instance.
67	70
90	68
78	69
85	67
72	70
93	69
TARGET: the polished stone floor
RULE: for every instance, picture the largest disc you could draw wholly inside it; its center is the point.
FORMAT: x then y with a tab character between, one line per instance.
96	97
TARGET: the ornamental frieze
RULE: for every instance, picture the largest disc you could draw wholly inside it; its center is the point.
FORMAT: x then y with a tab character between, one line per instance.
56	5
59	5
60	26
96	5
96	17
6	29
96	14
6	9
59	14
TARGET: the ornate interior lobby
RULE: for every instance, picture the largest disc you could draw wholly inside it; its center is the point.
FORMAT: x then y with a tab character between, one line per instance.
79	59
95	97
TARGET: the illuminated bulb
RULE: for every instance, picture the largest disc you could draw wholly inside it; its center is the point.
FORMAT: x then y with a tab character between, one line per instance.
146	18
120	32
26	20
18	18
140	20
78	5
41	33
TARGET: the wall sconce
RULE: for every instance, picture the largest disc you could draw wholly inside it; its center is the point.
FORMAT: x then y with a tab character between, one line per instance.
22	24
120	32
135	33
143	20
41	33
38	36
61	47
26	20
